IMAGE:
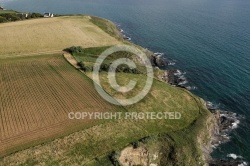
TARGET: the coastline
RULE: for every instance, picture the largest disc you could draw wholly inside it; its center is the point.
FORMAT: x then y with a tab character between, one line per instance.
222	122
213	127
138	133
175	78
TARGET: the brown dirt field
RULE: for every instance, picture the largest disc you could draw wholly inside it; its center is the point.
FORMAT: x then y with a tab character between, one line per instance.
47	34
36	96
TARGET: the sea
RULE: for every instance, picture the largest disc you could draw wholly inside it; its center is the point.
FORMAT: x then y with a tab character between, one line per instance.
208	40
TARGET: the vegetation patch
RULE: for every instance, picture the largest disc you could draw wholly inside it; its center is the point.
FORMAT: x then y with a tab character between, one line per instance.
87	57
12	16
107	26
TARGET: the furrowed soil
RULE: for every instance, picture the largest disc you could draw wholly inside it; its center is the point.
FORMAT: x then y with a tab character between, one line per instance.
36	96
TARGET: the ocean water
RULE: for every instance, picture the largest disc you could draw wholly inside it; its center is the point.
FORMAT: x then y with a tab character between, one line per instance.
209	39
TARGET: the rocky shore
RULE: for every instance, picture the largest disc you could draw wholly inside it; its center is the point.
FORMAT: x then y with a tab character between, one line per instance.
225	121
172	76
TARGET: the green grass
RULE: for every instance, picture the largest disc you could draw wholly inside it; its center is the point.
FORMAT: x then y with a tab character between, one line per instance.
162	97
135	130
176	139
91	145
107	26
175	147
7	11
89	55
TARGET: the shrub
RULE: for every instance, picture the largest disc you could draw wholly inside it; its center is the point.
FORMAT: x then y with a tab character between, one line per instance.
3	19
135	144
114	158
84	67
75	49
104	67
10	16
6	17
35	15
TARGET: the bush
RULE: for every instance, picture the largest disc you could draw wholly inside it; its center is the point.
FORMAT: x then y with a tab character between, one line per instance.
10	16
120	69
114	158
135	144
84	67
35	15
3	19
104	67
75	49
6	17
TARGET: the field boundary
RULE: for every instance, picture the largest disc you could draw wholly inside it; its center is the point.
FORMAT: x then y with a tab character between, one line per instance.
6	56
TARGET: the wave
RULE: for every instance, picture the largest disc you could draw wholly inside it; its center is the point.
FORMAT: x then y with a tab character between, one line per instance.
127	38
243	164
233	156
171	63
211	106
235	124
191	87
183	82
177	73
159	53
122	31
239	158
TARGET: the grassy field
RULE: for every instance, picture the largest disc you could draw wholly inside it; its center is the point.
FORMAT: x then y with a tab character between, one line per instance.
7	11
38	92
88	146
36	96
107	26
51	34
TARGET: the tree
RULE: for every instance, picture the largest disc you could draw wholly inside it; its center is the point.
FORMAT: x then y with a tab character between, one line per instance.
75	49
104	67
82	66
35	15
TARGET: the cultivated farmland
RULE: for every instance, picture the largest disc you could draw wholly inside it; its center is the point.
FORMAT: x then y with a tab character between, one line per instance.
50	35
36	96
38	92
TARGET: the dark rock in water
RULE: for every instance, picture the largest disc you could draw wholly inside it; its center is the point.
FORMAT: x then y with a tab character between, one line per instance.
175	78
225	122
226	163
228	120
159	61
126	38
153	60
172	78
210	106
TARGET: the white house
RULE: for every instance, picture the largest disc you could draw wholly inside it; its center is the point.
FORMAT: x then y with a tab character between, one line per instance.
48	15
